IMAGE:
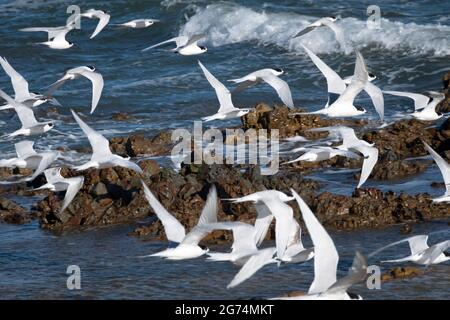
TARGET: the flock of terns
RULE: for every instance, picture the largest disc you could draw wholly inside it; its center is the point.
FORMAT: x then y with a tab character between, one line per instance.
270	204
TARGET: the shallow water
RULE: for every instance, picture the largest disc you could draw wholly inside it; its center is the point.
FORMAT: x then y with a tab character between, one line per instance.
34	266
162	90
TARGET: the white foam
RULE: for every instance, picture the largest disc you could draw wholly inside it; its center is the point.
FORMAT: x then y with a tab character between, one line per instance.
226	23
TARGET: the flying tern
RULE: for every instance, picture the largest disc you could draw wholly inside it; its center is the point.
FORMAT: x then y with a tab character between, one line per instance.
30	126
186	46
344	104
350	142
27	157
271	77
21	90
271	204
137	23
102	157
88	72
97	14
227	109
188	244
336	85
325	285
330	23
424	105
421	253
444	167
56	182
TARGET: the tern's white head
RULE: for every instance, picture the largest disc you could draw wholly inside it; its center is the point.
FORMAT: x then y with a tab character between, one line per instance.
372	77
48	127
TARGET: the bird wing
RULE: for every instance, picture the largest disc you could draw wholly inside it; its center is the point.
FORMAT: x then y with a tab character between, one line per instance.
103	21
335	84
46	160
207	217
370	160
53	175
194	39
75	184
326	257
443	165
55	86
348	136
180	42
421	239
435	251
25	114
359	80
305	31
244	85
174	230
223	95
420	100
97	86
52	31
376	95
282	88
283	214
418	244
100	145
262	222
338	32
253	264
126	163
18	82
243	235
24	148
209	212
357	274
61	35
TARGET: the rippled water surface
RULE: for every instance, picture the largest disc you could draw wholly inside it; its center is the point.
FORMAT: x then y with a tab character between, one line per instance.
161	90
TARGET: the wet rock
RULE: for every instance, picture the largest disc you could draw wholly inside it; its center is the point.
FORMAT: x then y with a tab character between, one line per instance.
282	118
406	229
389	170
121	116
403	138
401	273
369	208
99	190
137	145
11	212
150	167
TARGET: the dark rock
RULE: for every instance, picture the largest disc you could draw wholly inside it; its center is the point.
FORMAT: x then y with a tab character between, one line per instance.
99	190
401	273
121	116
11	212
137	145
406	229
282	118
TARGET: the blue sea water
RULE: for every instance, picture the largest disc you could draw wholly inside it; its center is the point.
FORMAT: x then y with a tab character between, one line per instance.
162	90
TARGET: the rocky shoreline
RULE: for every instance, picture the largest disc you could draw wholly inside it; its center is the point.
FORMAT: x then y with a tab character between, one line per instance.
113	196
